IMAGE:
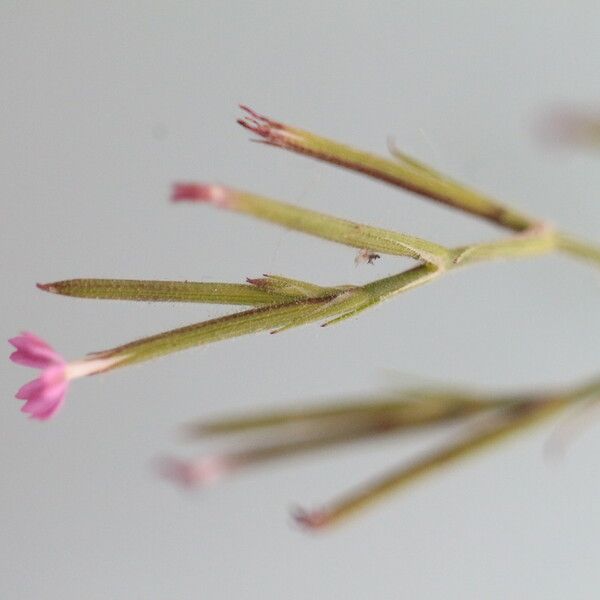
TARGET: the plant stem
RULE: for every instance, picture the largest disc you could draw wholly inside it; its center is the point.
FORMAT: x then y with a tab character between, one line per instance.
407	173
516	419
579	248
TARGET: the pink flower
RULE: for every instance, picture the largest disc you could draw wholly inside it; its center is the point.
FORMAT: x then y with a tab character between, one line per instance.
203	471
45	395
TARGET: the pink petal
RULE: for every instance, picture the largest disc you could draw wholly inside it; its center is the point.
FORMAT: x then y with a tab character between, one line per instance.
46	407
32	351
46	394
27	338
31	390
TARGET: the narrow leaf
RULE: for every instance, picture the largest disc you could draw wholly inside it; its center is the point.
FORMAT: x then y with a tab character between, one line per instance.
167	291
314	223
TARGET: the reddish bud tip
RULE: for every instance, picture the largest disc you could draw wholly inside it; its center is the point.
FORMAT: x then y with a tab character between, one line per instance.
47	287
313	520
195	192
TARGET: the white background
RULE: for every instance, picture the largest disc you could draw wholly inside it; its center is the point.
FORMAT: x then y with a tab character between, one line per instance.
103	106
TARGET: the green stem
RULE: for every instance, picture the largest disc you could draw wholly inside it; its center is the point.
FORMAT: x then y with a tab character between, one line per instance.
382	289
406	411
335	229
340	303
290	314
407	173
579	248
516	420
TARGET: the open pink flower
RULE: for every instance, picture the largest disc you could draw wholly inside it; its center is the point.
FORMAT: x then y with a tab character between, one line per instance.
45	395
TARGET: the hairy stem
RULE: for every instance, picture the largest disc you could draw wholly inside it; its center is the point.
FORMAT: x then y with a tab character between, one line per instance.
405	173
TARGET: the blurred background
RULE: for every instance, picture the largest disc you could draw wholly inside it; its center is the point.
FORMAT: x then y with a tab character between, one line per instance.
104	105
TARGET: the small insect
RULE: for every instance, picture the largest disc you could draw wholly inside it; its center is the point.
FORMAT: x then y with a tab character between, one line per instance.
366	256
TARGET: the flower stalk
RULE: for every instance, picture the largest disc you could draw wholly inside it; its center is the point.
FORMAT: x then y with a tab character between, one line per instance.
276	303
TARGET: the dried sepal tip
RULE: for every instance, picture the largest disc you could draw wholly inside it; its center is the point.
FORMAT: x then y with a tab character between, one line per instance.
271	132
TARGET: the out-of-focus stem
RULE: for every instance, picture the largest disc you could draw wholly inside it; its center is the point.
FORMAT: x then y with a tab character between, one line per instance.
406	411
322	435
512	421
579	248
